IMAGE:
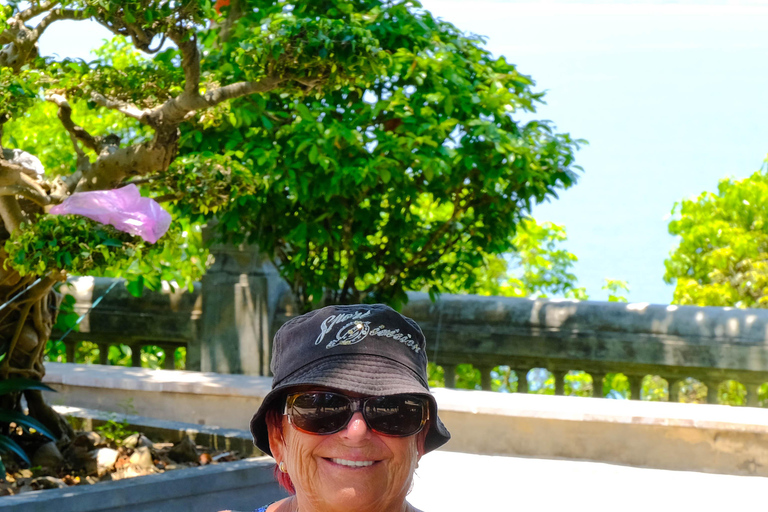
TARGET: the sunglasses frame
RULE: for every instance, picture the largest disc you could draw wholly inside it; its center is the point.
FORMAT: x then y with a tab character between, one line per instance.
355	404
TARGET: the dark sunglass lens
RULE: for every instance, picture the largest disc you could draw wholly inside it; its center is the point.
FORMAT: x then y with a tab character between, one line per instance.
320	413
396	415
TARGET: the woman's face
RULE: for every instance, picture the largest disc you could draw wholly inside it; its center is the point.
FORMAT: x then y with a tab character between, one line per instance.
354	469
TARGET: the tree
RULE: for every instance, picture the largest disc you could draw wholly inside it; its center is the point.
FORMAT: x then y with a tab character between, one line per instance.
409	179
722	256
367	147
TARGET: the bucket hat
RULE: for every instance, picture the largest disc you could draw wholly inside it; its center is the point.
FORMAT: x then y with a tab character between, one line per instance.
369	349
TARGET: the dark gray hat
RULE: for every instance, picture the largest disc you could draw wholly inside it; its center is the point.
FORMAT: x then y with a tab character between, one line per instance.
369	349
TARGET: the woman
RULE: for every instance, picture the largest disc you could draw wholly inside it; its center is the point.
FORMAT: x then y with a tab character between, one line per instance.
350	413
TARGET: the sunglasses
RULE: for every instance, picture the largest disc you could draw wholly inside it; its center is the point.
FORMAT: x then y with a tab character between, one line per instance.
325	412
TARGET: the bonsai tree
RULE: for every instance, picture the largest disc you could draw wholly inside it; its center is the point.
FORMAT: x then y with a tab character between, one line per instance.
366	147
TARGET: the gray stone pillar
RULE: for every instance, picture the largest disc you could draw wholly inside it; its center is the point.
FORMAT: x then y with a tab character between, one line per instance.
635	386
559	381
170	357
673	387
522	379
485	377
449	374
712	391
136	355
103	353
69	350
752	398
234	324
597	384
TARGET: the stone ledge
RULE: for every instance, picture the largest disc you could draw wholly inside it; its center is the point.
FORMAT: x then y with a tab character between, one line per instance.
743	419
710	438
144	379
567	408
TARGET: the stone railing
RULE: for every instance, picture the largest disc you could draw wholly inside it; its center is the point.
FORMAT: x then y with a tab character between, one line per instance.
167	318
709	344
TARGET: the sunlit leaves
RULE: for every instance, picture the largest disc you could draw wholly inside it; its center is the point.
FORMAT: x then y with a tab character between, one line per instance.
408	178
722	256
81	246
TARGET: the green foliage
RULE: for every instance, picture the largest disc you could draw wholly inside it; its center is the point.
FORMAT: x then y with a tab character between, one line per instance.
722	256
85	247
402	178
115	431
614	288
538	267
18	91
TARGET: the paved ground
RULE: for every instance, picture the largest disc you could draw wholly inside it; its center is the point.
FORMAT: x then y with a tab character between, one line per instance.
448	481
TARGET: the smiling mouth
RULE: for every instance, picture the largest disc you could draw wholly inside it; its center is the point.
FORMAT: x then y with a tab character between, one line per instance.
353	463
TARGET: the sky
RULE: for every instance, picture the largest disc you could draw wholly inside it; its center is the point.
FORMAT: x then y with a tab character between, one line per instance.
671	96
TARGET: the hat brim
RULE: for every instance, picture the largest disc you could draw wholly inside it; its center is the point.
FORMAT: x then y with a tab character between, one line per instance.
360	373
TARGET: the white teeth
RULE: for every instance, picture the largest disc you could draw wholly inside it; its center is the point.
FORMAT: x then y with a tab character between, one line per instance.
353	463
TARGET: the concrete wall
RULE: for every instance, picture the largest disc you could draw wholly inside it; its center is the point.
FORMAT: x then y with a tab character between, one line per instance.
709	438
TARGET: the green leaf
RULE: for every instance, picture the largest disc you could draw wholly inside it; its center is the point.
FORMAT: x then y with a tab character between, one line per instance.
18	384
136	286
7	445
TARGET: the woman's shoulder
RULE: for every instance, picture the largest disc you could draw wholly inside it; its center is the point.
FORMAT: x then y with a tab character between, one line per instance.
273	507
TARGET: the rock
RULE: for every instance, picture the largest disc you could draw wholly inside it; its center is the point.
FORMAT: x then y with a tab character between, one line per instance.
184	451
89	440
142	457
105	459
137	440
47	482
48	456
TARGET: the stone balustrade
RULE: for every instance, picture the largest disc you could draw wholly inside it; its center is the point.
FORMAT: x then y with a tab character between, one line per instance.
709	344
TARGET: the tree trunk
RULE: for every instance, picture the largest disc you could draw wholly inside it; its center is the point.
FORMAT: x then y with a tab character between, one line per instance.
25	327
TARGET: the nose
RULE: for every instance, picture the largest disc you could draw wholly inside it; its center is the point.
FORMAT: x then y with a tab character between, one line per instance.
357	428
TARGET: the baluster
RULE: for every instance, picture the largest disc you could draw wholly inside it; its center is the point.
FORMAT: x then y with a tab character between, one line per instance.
103	353
69	351
559	381
136	356
522	379
673	387
712	391
449	371
485	377
635	386
752	398
597	385
170	357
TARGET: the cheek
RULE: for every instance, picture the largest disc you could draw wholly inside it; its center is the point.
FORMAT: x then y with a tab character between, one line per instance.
299	458
404	461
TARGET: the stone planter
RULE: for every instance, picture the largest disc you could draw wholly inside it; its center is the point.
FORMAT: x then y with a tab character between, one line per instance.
242	485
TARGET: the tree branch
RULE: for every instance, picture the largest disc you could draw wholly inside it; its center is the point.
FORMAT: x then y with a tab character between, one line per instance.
65	116
37	8
190	62
10	212
168	197
124	108
55	15
27	192
112	168
173	111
